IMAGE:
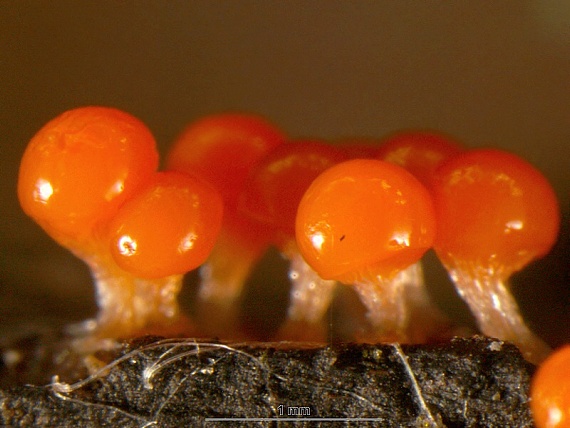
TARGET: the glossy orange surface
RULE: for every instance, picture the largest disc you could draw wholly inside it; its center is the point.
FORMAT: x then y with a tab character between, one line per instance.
222	149
168	228
494	211
550	391
364	218
81	166
420	152
277	183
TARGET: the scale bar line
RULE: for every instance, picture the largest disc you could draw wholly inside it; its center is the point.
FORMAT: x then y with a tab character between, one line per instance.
294	419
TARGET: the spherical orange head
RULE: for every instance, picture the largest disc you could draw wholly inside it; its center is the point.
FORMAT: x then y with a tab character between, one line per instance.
222	149
81	166
364	218
420	152
550	391
277	183
494	210
168	228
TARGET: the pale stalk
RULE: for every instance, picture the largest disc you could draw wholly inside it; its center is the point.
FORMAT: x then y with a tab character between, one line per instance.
309	299
496	310
129	305
222	279
400	308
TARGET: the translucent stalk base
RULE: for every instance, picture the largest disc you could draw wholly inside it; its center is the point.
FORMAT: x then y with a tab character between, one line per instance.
225	272
130	306
400	309
310	295
223	277
310	298
497	312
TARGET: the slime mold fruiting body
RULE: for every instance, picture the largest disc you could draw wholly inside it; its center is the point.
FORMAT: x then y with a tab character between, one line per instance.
495	213
420	152
167	229
234	186
76	177
363	222
550	391
222	149
272	194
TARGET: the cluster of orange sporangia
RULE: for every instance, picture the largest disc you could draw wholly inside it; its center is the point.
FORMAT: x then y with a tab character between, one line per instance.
358	213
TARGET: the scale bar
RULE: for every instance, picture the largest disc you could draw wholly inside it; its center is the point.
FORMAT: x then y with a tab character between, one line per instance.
294	419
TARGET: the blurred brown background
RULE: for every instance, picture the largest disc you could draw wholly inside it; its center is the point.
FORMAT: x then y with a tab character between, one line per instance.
488	72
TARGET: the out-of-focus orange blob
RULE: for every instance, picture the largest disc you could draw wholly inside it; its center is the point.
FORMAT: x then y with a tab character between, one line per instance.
358	148
420	152
550	391
494	210
277	183
222	149
364	218
80	167
168	228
